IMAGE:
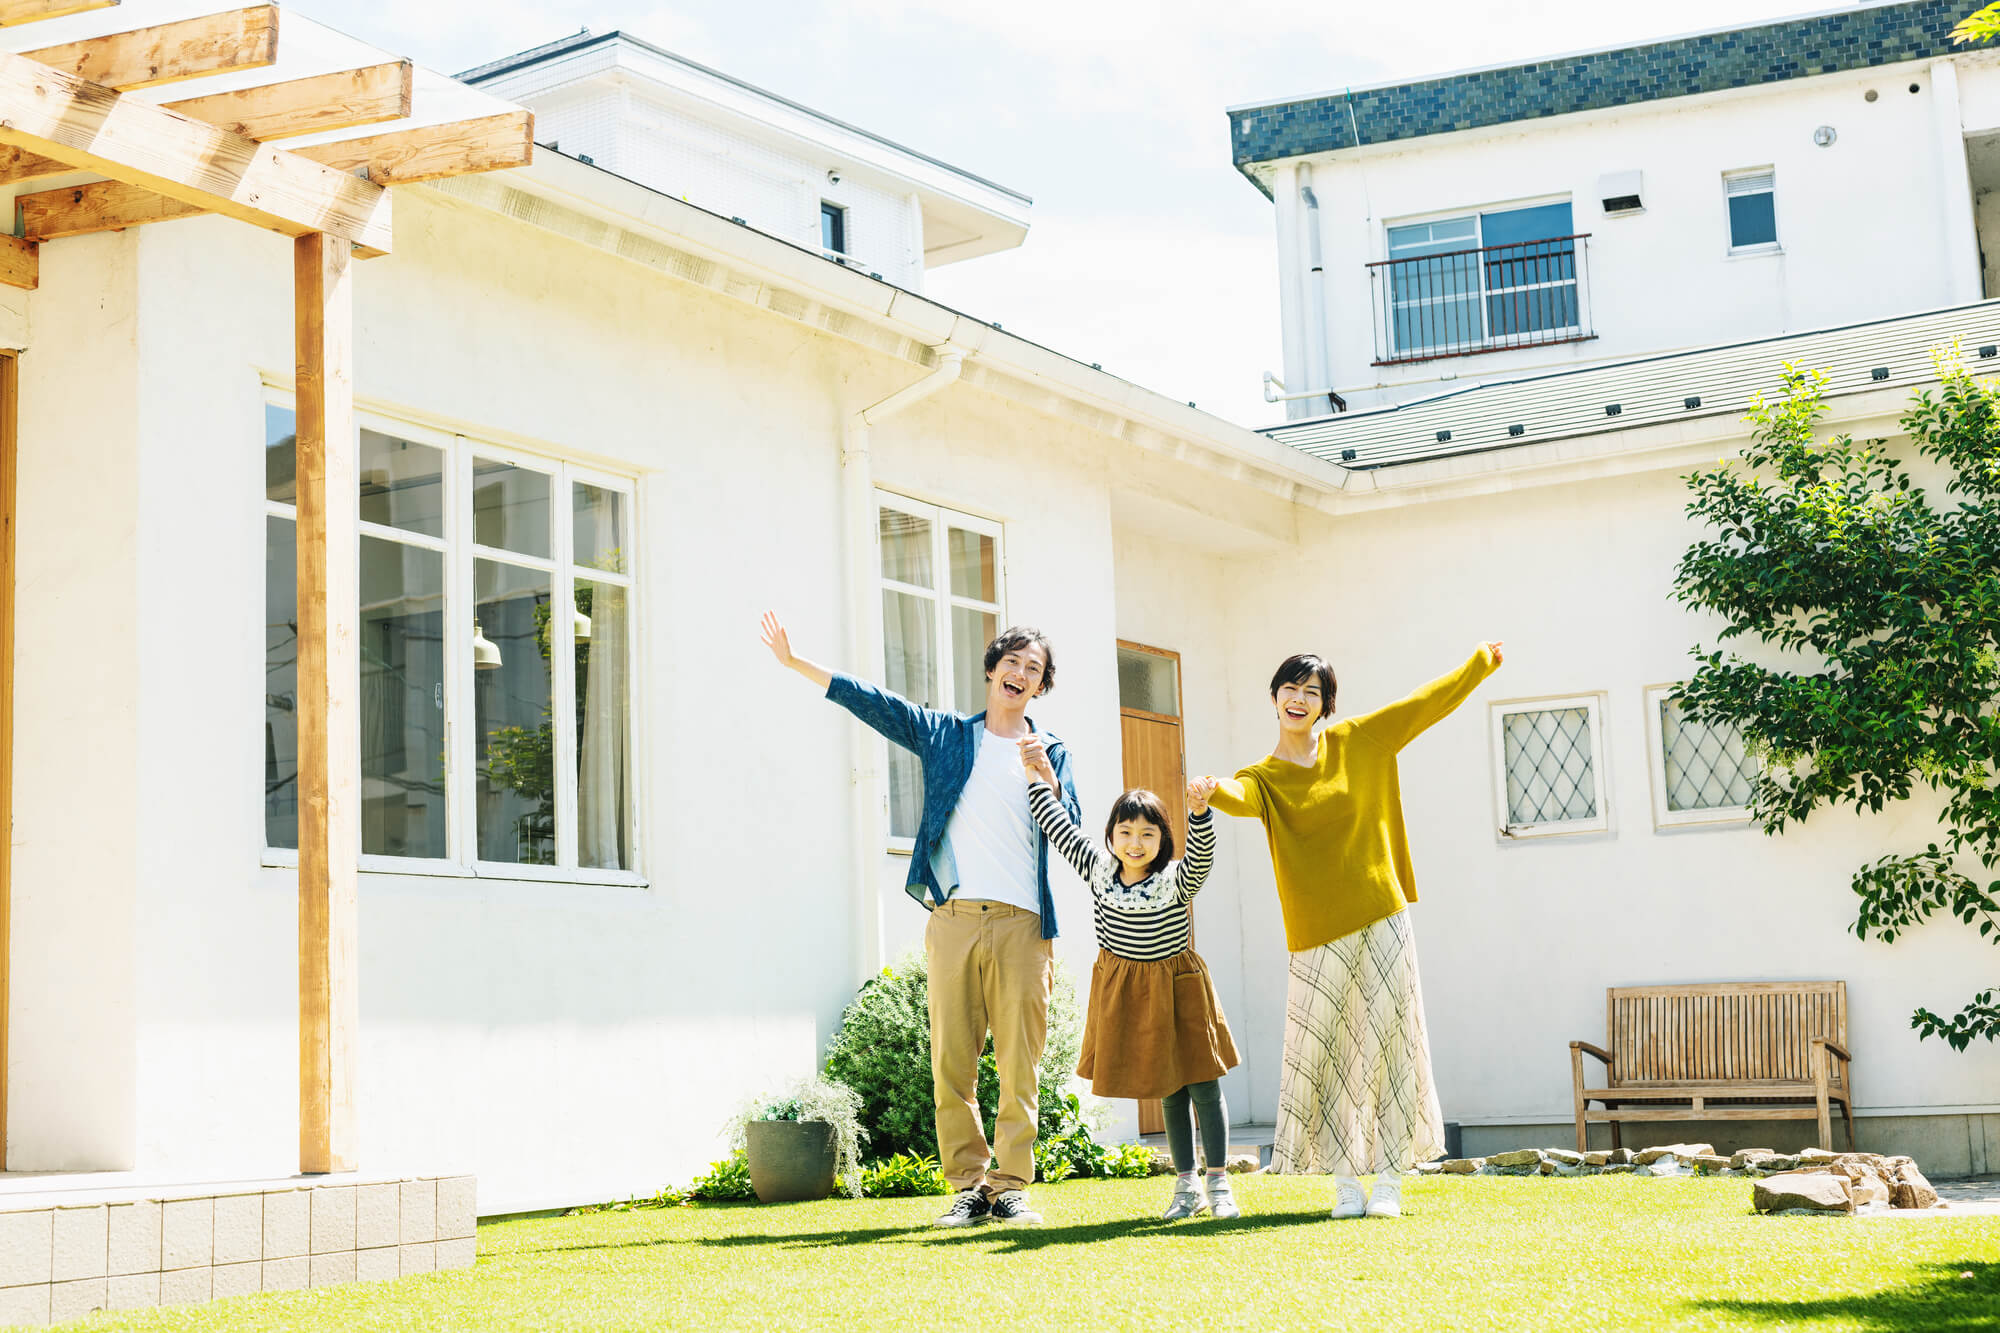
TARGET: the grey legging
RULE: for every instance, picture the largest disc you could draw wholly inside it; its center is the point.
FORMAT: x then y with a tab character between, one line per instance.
1205	1099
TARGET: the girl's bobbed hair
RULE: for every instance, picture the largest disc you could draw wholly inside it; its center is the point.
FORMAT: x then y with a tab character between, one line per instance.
1142	804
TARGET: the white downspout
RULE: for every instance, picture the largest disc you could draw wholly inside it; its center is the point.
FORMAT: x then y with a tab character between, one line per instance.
864	649
1965	280
1317	371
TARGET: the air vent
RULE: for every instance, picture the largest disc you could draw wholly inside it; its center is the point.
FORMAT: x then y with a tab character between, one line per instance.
1621	192
1444	437
1347	455
1879	373
1517	430
1690	402
1612	409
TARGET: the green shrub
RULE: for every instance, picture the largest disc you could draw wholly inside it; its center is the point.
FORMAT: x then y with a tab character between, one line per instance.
1128	1161
902	1176
724	1181
883	1052
1066	1147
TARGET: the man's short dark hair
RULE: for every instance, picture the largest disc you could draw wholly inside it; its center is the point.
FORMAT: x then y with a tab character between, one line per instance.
1013	640
1302	667
1142	804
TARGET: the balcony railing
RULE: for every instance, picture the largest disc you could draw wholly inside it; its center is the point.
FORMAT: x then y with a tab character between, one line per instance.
1490	299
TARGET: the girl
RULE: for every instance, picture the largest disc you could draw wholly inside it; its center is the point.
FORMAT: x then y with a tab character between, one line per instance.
1355	1093
1154	1028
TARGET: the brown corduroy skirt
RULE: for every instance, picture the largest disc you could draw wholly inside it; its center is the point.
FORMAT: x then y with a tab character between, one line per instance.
1153	1027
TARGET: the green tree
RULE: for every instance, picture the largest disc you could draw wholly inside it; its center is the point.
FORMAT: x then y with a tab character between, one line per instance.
1887	595
1980	26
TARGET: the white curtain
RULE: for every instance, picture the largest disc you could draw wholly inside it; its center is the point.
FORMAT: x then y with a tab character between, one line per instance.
909	653
602	760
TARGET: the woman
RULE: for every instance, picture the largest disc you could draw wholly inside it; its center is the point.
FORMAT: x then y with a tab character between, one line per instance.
1355	1094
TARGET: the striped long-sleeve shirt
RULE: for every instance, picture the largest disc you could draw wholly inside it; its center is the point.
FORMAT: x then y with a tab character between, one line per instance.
1143	921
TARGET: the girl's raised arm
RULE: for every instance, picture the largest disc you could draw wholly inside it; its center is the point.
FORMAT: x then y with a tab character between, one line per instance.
1191	871
1063	834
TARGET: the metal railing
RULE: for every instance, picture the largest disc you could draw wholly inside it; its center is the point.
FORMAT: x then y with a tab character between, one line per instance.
1489	299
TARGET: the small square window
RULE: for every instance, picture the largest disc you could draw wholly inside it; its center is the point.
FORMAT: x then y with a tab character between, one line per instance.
1751	198
1702	771
1550	775
833	228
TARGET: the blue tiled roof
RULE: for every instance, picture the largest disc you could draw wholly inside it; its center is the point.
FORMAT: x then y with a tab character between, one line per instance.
1856	38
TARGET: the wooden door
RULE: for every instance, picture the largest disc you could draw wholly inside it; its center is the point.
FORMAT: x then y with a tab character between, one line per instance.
1149	723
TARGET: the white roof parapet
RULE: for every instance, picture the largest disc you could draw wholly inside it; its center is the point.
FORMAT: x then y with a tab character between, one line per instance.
1626	396
598	208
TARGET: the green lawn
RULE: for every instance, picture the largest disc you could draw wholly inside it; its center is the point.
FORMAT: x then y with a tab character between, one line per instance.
1613	1252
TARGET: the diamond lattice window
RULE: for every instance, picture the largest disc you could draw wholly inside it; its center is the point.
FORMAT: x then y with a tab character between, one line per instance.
1549	762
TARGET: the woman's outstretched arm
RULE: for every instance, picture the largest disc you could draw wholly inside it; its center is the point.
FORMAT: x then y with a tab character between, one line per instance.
1236	796
1401	722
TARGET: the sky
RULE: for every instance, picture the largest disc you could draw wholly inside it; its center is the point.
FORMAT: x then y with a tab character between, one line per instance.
1147	251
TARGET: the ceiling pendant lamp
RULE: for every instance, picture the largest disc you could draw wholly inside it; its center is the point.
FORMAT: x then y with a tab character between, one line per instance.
485	652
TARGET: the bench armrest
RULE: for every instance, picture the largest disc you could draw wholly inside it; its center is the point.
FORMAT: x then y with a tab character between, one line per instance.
1597	1051
1834	1047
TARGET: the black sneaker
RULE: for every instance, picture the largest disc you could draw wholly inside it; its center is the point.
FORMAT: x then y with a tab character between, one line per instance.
1012	1206
969	1207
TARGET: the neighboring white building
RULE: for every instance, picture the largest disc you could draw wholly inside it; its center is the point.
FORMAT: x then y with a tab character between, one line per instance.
688	131
1597	206
621	871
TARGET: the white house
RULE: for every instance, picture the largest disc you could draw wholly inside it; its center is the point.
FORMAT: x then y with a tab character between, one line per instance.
1538	295
1597	206
616	871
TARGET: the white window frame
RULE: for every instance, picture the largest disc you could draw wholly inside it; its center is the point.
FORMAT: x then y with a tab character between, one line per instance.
941	519
1485	293
1729	245
1594	707
1664	818
461	831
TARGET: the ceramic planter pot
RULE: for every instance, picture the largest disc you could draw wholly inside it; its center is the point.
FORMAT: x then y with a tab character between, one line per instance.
791	1160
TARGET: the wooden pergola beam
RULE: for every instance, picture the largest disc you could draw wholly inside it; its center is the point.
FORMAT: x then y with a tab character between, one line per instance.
337	101
170	52
396	157
20	263
94	129
33	11
329	669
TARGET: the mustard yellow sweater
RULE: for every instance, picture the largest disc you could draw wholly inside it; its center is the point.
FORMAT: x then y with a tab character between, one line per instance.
1336	828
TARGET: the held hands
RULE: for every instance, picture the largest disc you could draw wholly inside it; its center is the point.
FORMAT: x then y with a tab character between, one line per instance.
1035	758
1198	792
1493	646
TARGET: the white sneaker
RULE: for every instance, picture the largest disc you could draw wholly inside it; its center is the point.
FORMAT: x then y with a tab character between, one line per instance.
1221	1201
1188	1199
1348	1200
1387	1198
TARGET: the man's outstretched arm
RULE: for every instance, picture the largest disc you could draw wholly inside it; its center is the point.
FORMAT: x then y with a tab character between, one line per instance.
896	718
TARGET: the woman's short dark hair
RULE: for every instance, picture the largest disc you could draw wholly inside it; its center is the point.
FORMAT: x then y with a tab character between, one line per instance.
1302	667
1142	804
1013	640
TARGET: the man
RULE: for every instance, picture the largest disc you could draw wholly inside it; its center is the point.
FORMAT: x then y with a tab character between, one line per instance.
981	865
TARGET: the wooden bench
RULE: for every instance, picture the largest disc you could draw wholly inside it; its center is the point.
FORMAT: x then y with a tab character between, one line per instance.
1763	1050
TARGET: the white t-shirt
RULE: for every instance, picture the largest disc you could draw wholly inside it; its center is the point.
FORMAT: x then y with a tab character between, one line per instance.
992	834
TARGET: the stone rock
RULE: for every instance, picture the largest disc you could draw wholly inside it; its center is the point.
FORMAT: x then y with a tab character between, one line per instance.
1519	1157
1563	1156
1711	1163
1597	1159
1780	1162
1618	1168
1668	1165
1463	1166
1821	1192
1909	1189
1429	1168
1619	1157
1243	1164
1816	1155
1684	1151
1868	1190
1750	1157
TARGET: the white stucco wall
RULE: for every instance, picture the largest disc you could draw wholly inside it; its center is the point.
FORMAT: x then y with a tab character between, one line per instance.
1869	227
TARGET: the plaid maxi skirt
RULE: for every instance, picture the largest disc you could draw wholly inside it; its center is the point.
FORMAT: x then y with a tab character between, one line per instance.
1355	1095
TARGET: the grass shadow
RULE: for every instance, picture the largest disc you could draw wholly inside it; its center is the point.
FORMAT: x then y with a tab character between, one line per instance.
1013	1239
1945	1297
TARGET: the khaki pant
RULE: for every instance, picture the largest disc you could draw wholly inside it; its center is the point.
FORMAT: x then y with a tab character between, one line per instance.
990	968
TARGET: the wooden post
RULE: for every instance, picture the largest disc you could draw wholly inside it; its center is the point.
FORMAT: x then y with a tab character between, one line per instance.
9	383
329	686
